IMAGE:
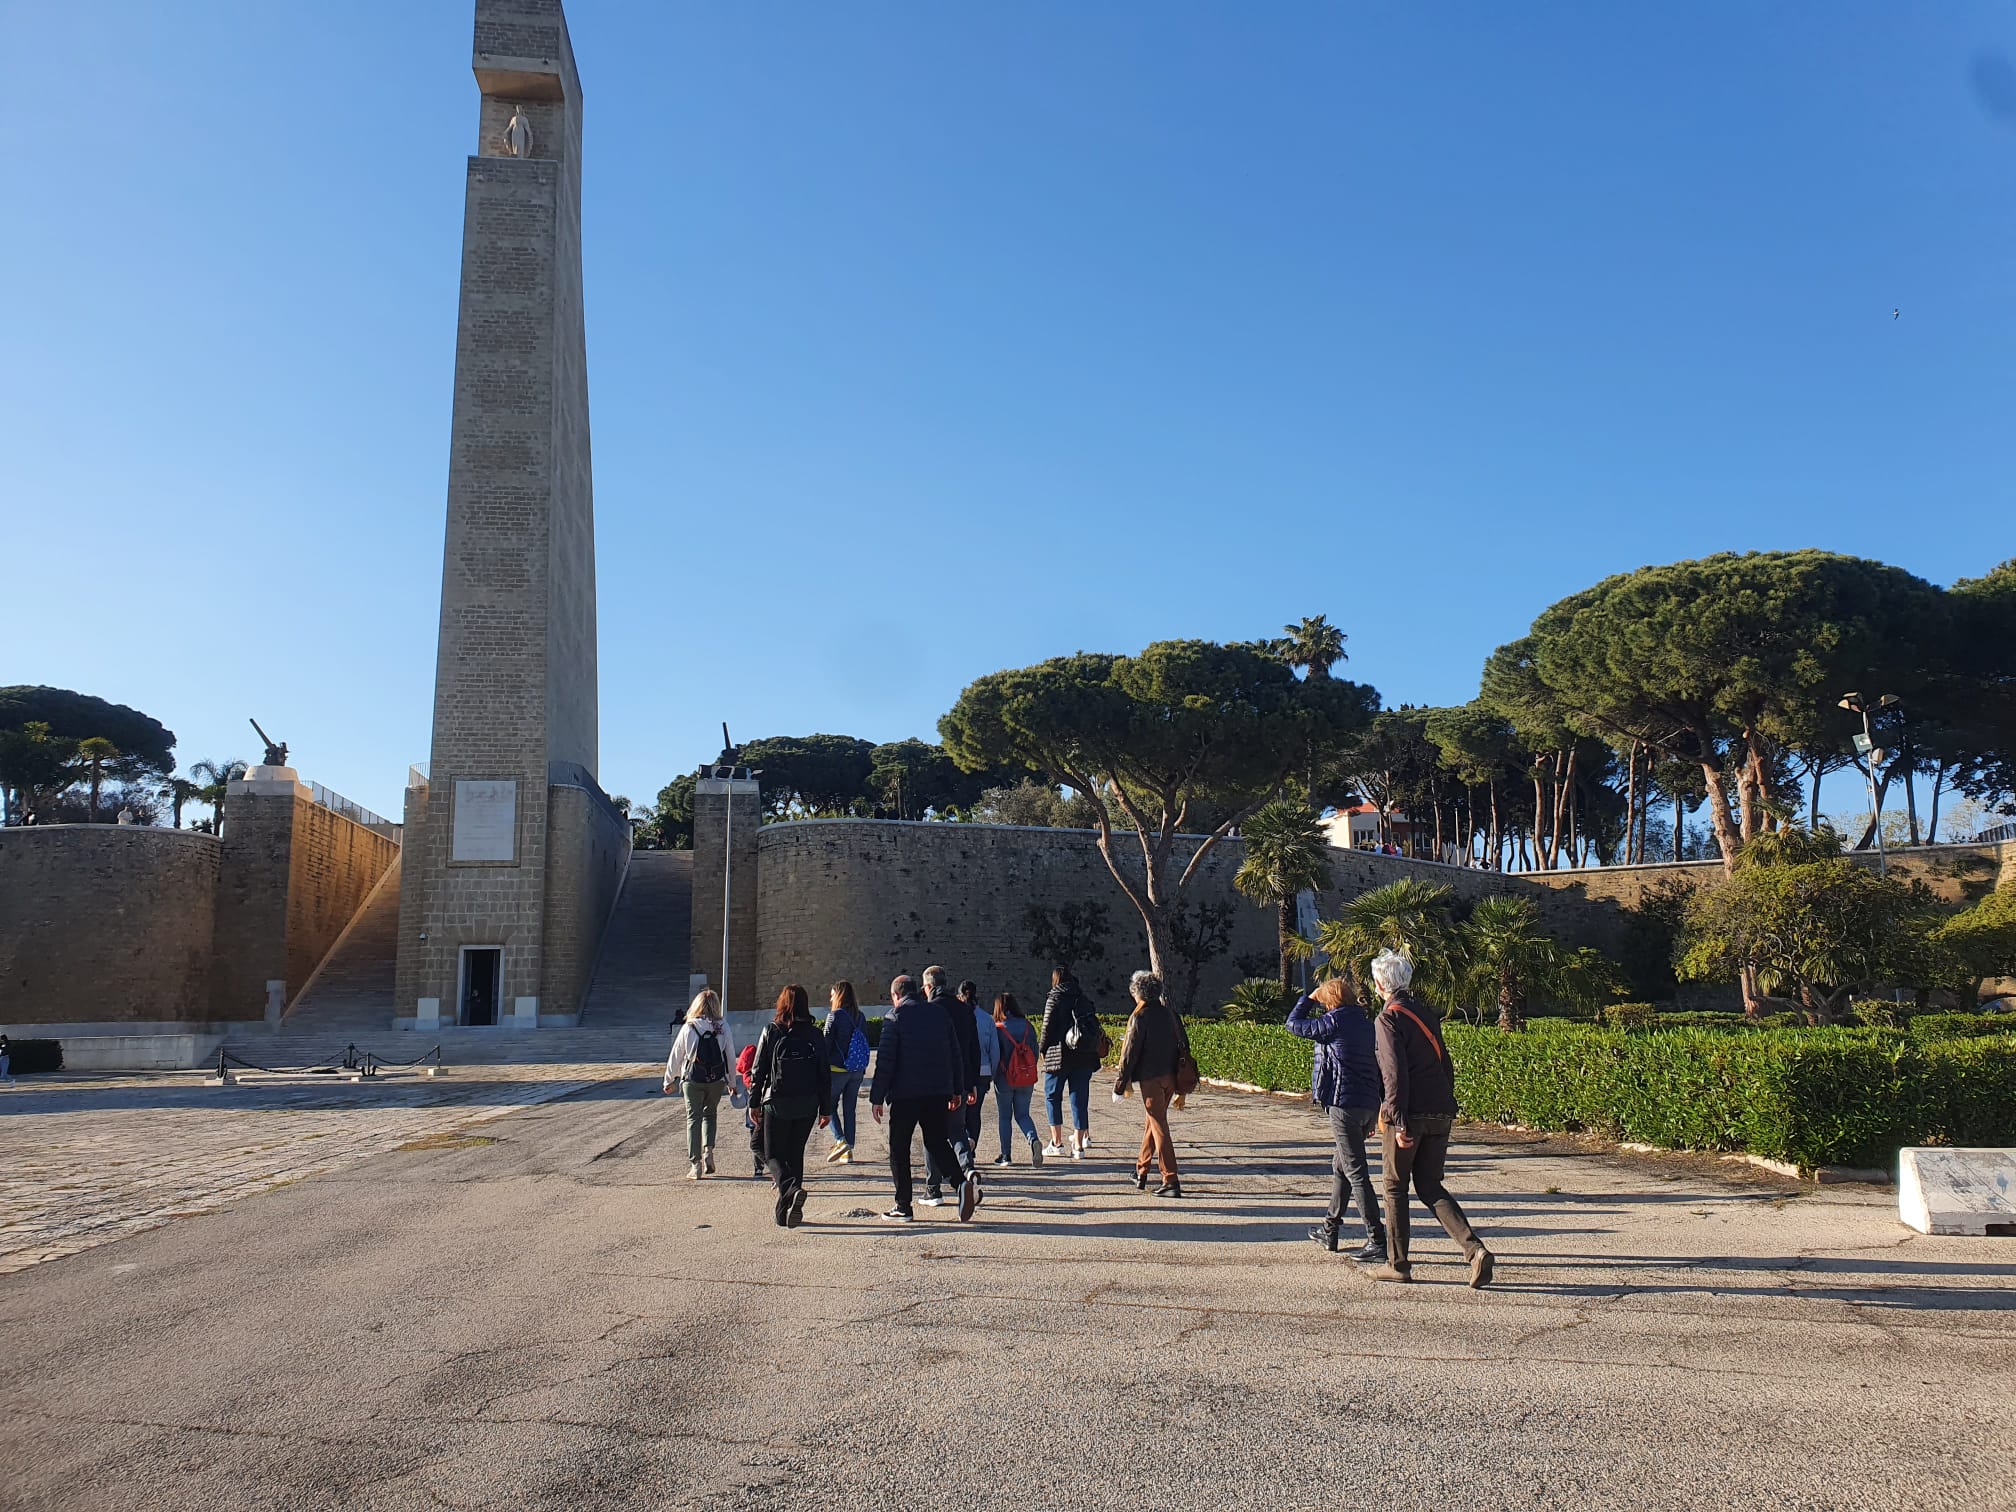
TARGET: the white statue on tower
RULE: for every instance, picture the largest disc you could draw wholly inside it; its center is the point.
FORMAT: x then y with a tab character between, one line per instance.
518	134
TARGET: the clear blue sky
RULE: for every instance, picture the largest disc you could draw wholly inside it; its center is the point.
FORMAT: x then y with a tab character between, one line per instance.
927	339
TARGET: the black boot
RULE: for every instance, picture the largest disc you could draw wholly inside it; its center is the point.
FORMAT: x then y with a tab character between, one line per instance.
1170	1188
1325	1235
1374	1252
1140	1181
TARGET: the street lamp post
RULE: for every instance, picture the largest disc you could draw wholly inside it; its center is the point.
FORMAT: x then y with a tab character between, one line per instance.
1855	703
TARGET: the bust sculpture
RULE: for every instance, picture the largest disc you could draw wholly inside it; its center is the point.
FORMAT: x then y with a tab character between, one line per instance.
518	134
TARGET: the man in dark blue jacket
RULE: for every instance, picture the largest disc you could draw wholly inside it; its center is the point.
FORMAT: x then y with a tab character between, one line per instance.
918	1076
1345	1083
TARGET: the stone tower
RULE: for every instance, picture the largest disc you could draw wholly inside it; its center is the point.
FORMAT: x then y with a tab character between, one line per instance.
513	853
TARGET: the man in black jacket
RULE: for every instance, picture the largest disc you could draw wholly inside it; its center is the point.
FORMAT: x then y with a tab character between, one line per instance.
965	1035
917	1075
1415	1119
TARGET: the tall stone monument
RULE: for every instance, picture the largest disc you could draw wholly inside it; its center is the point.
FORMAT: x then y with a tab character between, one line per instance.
513	853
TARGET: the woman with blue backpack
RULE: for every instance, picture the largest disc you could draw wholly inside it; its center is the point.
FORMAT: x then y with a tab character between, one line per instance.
1015	1076
847	1062
699	1062
792	1086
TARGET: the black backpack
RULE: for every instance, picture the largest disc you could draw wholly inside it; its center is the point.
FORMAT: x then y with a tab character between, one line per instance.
709	1062
797	1069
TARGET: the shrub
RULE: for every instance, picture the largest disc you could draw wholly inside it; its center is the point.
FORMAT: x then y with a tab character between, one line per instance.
1961	1025
1630	1015
30	1057
1260	1055
1259	1000
1809	1096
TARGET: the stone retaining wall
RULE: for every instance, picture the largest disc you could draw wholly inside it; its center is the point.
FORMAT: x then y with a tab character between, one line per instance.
106	924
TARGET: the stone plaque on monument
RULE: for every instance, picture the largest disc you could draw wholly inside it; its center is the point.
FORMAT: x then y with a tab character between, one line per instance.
486	821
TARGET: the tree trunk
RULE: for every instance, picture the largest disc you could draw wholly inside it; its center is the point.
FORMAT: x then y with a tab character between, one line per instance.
1497	841
1508	1008
1911	801
1938	783
1631	805
1539	819
1287	922
1727	839
1679	823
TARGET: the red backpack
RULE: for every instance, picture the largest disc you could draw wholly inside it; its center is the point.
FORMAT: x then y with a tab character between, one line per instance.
1022	1065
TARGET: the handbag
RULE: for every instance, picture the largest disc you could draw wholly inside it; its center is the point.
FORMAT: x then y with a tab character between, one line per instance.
738	1093
1187	1076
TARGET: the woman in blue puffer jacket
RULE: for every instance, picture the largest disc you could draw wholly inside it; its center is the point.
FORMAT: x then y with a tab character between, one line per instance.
1345	1084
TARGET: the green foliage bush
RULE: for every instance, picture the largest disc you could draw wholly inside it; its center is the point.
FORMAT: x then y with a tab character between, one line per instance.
1961	1025
1630	1015
1259	1000
1840	1096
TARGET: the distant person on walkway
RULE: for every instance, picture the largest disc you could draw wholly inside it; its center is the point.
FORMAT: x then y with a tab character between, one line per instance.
745	1066
6	1060
1072	1045
917	1077
1415	1119
988	1040
792	1086
937	990
1344	1081
1016	1075
701	1052
847	1060
1154	1046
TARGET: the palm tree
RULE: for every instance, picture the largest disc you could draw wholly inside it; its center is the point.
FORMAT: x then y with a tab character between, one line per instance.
1286	851
1507	958
175	792
1407	915
1315	643
216	778
92	753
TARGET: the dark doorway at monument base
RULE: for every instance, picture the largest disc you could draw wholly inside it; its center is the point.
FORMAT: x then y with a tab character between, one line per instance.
482	966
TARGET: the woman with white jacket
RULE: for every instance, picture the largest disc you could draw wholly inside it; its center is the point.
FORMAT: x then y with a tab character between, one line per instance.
702	1053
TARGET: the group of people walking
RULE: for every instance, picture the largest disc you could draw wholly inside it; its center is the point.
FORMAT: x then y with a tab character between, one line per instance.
941	1053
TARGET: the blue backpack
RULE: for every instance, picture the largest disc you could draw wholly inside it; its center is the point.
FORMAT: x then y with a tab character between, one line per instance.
857	1047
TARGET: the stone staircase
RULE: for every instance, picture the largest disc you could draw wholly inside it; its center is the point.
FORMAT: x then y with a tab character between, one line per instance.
640	980
639	986
351	991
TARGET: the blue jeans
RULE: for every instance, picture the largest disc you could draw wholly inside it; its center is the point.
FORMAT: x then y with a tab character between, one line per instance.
846	1091
1011	1106
1080	1084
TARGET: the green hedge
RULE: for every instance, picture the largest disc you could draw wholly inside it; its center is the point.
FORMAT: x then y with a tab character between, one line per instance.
1813	1097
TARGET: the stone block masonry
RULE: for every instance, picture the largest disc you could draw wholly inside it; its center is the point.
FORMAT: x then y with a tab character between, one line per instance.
860	900
293	876
106	924
512	844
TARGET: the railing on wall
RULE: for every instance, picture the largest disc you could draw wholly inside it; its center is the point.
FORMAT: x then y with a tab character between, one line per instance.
330	799
1994	836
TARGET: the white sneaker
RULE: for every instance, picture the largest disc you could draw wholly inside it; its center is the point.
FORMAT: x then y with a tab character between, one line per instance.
693	1171
1078	1152
707	1162
1053	1148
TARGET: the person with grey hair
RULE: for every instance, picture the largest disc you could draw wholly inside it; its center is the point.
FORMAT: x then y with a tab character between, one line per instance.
1150	1057
1415	1119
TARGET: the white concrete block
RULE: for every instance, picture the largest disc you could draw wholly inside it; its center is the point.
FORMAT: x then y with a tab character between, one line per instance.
527	1012
1941	1191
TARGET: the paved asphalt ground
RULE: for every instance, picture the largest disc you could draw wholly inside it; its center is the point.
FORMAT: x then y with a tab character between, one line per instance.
541	1312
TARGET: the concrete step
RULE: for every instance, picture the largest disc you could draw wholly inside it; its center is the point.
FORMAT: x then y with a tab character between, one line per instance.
459	1046
640	979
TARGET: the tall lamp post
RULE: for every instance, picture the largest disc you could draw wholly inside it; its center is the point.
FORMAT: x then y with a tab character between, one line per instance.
1865	743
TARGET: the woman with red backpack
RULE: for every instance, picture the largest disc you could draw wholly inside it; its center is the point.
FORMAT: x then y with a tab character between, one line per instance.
1015	1076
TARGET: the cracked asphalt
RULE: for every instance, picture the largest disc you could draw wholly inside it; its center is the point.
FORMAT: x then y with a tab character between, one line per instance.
539	1311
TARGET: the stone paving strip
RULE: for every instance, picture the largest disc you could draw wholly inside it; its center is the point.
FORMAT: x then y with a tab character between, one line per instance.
88	1160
